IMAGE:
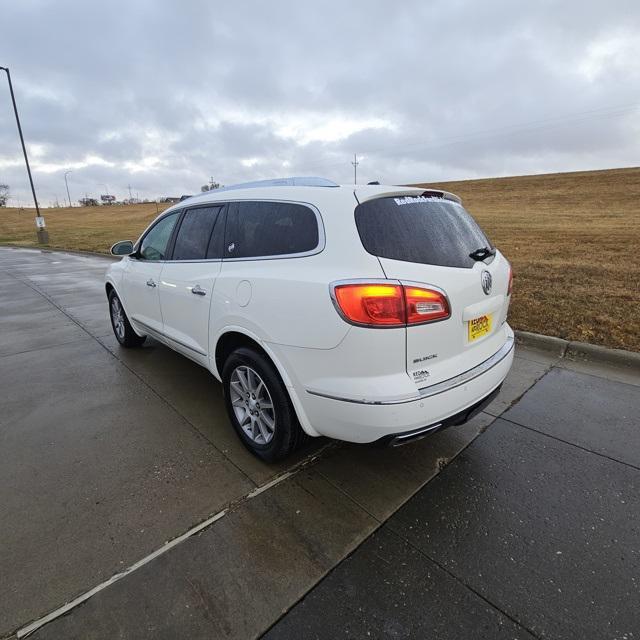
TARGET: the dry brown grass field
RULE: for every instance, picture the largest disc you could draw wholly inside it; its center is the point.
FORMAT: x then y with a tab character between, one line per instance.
573	239
78	228
574	242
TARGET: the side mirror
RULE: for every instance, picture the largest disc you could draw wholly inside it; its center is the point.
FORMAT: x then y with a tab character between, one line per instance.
122	248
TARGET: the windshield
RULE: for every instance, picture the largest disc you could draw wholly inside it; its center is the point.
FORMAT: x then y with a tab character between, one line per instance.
420	229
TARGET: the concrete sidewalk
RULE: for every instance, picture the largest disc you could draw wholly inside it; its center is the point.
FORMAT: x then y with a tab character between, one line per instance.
533	531
106	454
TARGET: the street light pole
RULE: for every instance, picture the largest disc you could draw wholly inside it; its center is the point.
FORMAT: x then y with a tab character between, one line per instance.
66	173
43	236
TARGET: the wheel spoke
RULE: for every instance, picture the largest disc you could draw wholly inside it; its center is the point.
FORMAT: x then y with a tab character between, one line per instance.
255	430
266	434
241	377
235	386
251	380
268	420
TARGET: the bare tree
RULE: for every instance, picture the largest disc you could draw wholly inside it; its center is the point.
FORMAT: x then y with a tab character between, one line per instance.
4	194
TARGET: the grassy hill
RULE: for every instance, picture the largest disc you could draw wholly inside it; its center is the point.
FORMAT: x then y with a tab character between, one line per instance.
573	240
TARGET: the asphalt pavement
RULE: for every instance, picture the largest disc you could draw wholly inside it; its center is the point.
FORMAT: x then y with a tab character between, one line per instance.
129	509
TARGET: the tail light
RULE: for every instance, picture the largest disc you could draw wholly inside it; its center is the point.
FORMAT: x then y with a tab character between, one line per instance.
424	305
510	286
388	304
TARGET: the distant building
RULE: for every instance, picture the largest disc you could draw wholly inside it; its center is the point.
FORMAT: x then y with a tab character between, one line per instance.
170	199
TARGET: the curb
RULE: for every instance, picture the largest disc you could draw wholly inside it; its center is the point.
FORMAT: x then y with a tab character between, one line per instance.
582	351
551	344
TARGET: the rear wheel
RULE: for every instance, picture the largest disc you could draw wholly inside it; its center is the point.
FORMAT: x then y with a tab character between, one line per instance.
259	406
122	328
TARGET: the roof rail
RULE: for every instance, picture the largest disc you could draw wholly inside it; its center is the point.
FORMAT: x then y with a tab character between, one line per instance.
309	181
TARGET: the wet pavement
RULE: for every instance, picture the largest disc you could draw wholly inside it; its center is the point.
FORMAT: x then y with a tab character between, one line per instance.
106	454
533	531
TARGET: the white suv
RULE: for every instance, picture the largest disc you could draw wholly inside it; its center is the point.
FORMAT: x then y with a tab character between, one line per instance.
363	313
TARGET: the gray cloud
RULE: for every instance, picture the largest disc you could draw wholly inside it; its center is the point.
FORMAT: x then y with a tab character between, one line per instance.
162	95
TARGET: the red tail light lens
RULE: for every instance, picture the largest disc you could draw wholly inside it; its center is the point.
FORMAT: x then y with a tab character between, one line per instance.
510	287
371	304
425	305
389	305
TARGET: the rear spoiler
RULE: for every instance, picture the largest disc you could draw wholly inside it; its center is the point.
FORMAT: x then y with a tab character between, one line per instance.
372	192
445	195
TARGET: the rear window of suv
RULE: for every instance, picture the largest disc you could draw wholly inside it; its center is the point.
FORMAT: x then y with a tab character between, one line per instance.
419	229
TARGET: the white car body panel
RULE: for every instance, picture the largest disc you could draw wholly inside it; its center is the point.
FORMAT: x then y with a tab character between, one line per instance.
348	382
142	300
185	315
442	348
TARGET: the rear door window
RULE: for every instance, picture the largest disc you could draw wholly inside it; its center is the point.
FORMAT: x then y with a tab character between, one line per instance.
262	229
195	234
420	229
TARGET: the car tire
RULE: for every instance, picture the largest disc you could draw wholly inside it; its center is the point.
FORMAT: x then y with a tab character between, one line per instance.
259	406
120	324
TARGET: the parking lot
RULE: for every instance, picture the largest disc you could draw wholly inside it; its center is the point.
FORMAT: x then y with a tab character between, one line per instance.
125	494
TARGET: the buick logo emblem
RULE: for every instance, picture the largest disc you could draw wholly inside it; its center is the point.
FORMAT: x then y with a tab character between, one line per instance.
485	281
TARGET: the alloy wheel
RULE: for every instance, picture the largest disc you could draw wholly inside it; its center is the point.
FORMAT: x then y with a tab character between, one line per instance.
117	316
252	404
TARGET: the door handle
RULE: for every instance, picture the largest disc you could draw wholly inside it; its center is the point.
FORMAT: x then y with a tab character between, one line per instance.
150	283
198	290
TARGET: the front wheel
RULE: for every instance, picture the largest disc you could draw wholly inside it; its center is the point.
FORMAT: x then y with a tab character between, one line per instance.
122	328
259	406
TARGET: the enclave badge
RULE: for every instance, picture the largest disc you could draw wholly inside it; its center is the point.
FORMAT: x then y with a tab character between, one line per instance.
485	281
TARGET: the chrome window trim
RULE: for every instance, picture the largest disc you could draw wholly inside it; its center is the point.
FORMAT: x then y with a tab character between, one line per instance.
320	247
439	387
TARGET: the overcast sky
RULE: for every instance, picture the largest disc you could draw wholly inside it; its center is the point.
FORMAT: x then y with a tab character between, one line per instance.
163	95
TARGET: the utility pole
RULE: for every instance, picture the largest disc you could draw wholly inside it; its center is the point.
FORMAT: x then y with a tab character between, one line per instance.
130	196
355	164
66	173
43	234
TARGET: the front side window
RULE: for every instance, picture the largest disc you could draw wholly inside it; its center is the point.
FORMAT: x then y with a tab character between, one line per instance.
257	229
154	244
195	234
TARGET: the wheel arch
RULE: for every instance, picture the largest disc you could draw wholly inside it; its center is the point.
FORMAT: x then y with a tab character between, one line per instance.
234	337
109	287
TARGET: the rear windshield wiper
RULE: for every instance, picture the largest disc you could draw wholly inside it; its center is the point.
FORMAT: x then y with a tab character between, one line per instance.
482	253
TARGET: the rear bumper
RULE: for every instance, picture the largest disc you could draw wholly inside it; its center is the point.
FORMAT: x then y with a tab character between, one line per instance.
459	418
435	407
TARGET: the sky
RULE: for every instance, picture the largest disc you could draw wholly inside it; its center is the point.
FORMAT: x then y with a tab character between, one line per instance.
161	96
